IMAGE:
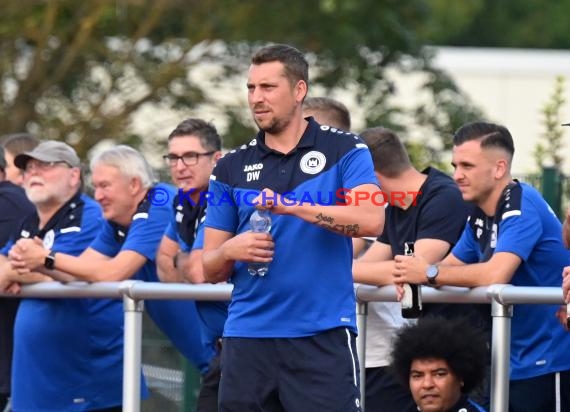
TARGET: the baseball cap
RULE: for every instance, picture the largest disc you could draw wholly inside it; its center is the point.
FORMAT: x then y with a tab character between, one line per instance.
49	151
2	159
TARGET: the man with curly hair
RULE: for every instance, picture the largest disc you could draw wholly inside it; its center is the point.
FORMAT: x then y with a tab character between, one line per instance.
442	361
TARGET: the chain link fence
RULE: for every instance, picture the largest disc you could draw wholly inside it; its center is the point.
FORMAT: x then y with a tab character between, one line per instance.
554	186
173	384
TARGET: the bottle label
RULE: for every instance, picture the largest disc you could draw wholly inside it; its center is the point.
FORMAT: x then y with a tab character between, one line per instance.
412	299
408	298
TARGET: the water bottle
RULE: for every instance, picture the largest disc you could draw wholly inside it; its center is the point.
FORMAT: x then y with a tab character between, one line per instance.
412	300
260	222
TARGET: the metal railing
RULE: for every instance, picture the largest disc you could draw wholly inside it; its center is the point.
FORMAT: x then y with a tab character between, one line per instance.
133	293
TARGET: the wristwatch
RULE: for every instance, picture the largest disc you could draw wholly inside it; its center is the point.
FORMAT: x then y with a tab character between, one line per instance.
431	273
49	261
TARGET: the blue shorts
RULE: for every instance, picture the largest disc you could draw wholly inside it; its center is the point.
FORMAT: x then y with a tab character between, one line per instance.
384	392
311	374
546	393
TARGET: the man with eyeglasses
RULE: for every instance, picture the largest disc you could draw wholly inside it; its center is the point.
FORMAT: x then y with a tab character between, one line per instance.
188	159
135	213
194	146
68	353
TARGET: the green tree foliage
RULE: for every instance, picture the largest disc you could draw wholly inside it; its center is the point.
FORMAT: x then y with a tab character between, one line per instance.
550	146
82	71
79	70
492	23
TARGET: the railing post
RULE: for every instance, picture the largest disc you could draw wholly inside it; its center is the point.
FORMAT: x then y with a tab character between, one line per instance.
132	354
361	316
500	355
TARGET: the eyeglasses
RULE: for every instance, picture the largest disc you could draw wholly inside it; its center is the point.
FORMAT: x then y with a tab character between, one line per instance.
41	166
188	159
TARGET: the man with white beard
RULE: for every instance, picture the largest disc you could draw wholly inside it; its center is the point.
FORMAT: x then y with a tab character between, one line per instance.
68	353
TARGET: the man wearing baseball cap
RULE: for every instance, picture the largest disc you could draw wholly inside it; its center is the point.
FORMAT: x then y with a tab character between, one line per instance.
79	366
50	151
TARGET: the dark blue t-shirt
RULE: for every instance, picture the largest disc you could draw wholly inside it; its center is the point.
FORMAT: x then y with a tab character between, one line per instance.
14	207
439	213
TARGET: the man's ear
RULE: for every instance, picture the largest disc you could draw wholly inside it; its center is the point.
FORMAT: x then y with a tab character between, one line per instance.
301	90
501	168
135	184
76	175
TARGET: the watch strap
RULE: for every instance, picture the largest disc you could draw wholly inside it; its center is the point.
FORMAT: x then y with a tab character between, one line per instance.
49	261
431	273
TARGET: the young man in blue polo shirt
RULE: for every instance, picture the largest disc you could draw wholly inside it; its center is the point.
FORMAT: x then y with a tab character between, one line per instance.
512	236
286	329
136	212
68	353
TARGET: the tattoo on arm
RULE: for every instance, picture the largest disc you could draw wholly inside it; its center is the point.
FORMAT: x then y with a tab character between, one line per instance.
327	222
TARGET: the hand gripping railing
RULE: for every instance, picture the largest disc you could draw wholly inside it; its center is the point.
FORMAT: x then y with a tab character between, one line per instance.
133	293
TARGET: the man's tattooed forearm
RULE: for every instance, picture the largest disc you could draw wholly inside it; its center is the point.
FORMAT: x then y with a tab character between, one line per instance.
327	222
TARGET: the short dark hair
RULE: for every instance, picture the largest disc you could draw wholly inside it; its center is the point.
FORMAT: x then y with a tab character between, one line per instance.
389	154
18	143
206	132
491	135
296	66
335	113
461	344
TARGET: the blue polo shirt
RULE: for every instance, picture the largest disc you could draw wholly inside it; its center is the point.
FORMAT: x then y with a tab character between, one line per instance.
184	221
526	226
187	229
213	314
68	353
178	319
309	287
